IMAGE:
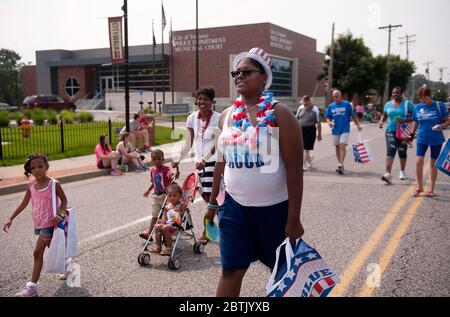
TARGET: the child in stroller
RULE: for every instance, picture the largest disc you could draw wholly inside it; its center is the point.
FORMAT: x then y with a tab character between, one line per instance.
170	221
174	217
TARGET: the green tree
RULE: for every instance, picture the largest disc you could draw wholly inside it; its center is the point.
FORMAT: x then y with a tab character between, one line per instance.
355	70
440	94
352	68
10	83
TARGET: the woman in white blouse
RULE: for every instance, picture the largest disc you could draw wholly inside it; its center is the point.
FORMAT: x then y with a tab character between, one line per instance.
201	126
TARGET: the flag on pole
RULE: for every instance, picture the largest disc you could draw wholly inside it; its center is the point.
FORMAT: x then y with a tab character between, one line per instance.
163	17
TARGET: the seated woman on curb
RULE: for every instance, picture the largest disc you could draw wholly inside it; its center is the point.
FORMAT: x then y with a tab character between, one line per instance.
105	156
128	153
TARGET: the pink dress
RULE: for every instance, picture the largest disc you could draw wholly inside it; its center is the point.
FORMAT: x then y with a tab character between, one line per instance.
41	204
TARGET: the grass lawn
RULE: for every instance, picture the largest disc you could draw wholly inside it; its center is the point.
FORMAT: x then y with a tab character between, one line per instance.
79	139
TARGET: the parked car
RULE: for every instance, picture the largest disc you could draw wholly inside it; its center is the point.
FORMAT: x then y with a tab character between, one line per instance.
48	102
5	106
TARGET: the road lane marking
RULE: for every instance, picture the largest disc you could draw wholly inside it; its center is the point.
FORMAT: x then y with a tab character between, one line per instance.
393	244
126	226
370	245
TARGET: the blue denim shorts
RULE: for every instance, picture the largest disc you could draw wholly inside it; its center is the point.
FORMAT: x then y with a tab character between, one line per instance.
393	145
44	232
248	234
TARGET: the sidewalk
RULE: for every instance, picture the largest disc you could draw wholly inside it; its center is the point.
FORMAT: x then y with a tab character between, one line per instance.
69	170
79	168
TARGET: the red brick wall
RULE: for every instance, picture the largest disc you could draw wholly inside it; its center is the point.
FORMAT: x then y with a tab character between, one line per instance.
214	63
85	76
29	81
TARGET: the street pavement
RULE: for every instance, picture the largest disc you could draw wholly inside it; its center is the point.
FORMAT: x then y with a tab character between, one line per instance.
370	233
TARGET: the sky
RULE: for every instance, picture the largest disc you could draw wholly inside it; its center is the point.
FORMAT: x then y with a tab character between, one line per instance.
29	25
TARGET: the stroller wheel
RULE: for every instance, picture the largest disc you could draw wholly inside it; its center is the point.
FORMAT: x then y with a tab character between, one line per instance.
144	259
174	264
199	247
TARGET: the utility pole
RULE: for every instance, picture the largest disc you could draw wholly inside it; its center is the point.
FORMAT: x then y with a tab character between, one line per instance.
441	71
390	28
427	70
330	70
407	42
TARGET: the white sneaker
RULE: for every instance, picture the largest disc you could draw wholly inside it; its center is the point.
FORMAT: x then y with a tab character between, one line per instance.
387	178
310	161
402	176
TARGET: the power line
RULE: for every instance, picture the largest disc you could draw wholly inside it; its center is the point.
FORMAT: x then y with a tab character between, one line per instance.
427	70
407	41
390	28
441	71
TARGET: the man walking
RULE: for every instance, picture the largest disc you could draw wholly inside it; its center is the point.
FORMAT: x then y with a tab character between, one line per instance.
339	114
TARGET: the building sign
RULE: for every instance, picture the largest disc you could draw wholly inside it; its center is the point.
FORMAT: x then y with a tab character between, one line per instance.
175	109
115	40
279	40
187	43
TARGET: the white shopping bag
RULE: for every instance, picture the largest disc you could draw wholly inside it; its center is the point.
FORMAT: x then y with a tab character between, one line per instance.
304	274
361	150
64	242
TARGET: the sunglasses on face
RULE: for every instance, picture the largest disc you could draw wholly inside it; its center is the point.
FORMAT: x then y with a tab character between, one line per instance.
245	72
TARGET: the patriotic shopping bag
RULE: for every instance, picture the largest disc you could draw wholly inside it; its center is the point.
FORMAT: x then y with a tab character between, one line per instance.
361	150
305	273
443	161
405	129
64	244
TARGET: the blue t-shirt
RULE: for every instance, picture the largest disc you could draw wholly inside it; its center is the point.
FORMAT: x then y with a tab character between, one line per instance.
341	114
395	114
428	117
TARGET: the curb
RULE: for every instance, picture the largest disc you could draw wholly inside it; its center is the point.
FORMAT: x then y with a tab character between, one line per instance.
17	188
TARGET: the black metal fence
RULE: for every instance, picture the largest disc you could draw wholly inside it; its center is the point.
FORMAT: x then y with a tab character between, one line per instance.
54	139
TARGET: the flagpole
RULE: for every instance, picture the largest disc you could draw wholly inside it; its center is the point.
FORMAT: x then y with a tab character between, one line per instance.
153	65
197	79
171	63
162	55
127	75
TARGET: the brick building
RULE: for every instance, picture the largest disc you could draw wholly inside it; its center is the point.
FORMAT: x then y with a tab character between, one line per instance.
85	73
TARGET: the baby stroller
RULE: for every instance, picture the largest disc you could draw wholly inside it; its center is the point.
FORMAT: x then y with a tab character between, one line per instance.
185	228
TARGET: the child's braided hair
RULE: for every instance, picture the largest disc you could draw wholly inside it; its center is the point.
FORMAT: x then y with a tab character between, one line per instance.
27	165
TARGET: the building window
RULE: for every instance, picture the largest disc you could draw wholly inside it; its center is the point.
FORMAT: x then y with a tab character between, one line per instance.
72	87
282	77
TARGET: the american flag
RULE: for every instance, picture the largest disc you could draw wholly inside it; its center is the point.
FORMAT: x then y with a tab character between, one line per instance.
405	129
446	164
361	153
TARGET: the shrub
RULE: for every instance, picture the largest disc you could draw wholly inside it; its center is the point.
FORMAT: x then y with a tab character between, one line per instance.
38	116
149	110
4	119
84	117
52	117
67	116
18	116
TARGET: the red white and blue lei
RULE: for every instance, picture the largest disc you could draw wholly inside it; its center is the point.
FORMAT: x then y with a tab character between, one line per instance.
244	133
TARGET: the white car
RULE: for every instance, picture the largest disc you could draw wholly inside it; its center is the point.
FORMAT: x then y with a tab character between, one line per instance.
5	106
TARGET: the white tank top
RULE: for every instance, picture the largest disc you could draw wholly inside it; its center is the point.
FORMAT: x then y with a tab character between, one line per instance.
254	178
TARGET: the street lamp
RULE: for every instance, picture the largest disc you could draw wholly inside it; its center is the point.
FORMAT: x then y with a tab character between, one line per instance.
127	74
159	104
150	104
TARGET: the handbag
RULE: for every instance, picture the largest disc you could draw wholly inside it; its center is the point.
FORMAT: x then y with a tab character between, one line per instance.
304	274
443	161
405	127
64	244
361	150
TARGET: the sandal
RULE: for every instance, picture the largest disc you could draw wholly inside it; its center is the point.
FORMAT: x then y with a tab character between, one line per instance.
203	239
431	194
417	192
167	251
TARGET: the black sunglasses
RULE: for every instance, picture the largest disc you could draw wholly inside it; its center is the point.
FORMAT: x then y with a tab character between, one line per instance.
245	72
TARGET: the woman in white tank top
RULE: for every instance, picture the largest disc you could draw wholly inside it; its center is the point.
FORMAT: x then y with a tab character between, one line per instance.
260	155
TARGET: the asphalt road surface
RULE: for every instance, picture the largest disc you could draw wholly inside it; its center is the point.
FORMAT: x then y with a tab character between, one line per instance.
380	240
